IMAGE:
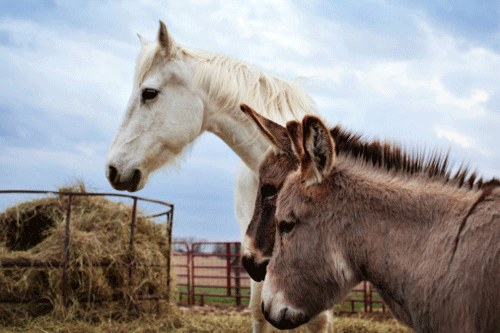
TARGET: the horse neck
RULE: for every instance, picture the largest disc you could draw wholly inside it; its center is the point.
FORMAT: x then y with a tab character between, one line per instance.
239	133
226	83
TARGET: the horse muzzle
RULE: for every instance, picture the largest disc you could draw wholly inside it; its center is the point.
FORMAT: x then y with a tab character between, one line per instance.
122	181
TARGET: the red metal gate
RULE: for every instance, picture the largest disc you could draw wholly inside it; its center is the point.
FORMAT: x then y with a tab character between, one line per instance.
211	272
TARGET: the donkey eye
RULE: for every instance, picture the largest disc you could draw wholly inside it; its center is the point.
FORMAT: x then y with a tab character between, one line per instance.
149	94
268	191
285	227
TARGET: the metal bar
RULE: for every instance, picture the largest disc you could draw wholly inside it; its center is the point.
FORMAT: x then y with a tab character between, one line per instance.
365	296
9	263
66	252
170	218
237	280
191	280
131	244
228	269
83	194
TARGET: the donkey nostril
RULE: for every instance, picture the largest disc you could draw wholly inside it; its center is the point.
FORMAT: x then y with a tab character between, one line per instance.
113	174
257	271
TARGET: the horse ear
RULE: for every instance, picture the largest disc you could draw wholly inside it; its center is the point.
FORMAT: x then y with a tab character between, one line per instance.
164	39
319	150
144	42
274	132
294	129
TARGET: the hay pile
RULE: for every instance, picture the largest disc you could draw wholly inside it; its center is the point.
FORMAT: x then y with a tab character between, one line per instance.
100	232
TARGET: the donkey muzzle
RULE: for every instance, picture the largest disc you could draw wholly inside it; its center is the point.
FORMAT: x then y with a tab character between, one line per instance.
257	271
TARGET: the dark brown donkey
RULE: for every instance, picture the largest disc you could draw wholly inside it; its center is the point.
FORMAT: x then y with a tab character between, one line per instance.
428	241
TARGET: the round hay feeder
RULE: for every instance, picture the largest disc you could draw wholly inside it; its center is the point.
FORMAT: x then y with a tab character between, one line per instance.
75	247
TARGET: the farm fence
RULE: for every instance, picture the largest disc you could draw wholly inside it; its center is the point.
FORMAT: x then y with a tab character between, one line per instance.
63	262
212	272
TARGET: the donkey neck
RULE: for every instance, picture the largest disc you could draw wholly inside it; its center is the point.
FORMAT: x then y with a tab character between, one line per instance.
404	231
403	201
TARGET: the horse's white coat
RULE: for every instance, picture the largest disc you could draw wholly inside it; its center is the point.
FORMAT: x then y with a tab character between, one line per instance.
199	91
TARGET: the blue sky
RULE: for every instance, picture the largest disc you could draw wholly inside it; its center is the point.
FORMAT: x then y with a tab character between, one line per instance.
423	73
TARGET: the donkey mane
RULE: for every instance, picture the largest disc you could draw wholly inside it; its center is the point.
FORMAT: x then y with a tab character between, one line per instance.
392	157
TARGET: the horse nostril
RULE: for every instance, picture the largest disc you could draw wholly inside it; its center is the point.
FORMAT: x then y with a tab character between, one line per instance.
112	174
136	179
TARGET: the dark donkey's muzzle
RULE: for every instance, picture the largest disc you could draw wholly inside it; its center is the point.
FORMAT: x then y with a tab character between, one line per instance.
257	271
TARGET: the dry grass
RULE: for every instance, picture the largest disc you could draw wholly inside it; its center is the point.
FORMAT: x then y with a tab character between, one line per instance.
196	323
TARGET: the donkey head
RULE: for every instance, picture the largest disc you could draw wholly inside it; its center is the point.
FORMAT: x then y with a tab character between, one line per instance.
154	129
308	271
259	239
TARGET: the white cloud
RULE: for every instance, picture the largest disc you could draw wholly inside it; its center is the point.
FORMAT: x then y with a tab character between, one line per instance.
455	137
66	72
462	140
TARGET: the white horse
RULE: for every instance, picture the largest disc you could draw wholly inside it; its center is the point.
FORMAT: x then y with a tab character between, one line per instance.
178	94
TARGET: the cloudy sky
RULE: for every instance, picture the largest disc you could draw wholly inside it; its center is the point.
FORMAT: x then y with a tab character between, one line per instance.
423	73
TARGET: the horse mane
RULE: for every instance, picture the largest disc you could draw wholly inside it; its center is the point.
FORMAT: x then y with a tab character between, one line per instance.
392	157
231	82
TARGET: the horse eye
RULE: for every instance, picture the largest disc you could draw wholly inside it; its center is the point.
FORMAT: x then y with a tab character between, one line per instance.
268	191
285	227
149	94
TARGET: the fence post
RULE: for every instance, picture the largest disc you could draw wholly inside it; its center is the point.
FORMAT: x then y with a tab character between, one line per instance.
170	218
66	253
365	296
228	268
237	281
192	283
131	244
189	272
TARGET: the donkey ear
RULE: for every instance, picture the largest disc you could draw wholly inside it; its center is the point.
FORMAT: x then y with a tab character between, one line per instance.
164	39
294	129
319	150
274	132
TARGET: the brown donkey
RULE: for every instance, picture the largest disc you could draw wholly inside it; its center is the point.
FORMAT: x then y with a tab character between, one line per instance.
426	240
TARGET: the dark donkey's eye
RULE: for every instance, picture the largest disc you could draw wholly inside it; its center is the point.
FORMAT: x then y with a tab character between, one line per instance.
268	191
285	227
149	94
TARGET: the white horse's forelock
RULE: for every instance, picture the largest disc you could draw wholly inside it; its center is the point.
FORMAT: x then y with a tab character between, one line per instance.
149	52
230	82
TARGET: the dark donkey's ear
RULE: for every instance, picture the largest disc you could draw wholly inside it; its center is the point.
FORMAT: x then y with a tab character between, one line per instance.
274	132
294	129
319	150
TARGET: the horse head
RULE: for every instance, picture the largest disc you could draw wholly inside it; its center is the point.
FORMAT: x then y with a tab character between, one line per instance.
154	129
